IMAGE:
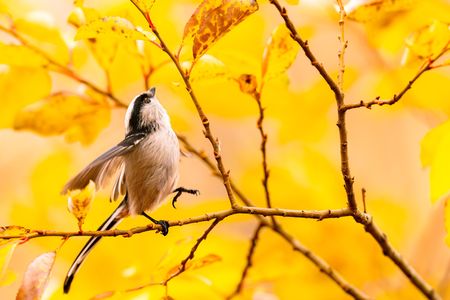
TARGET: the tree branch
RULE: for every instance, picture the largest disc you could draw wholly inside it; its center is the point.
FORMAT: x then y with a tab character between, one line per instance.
249	263
428	65
379	236
344	44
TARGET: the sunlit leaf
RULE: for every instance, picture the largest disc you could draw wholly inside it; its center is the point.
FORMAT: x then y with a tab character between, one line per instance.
293	2
78	118
21	56
428	41
208	68
213	19
113	27
20	86
367	10
36	277
279	54
435	148
12	230
79	202
248	83
6	251
144	5
39	31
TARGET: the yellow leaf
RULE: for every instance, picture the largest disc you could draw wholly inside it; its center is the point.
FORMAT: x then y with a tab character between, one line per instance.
79	202
15	55
20	86
144	6
10	231
213	19
429	41
293	2
208	68
248	83
79	118
6	251
82	15
279	54
36	277
39	30
113	27
369	10
435	148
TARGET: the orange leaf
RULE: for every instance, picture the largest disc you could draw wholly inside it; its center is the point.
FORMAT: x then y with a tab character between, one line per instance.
36	277
213	19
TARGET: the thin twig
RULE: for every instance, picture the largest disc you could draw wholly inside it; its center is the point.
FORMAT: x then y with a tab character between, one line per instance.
344	44
220	215
263	134
363	194
249	261
182	266
428	65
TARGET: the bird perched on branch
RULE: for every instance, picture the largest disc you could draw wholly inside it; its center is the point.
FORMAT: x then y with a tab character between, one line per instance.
145	167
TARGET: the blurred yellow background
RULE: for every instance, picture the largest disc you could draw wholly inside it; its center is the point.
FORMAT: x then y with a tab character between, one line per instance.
303	156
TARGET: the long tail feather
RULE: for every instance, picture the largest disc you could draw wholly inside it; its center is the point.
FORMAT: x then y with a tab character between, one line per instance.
110	223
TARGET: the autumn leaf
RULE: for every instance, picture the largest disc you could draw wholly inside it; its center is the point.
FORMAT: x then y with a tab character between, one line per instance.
368	10
248	83
20	86
36	277
428	41
144	5
6	251
213	19
21	56
79	202
12	230
77	117
208	68
279	54
39	31
113	27
435	148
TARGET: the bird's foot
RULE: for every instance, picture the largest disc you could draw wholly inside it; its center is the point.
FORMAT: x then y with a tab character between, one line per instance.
182	190
163	223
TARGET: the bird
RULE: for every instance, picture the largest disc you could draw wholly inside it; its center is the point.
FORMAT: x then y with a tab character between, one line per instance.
145	167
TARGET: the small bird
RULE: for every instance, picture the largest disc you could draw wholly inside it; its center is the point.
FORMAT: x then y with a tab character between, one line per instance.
145	167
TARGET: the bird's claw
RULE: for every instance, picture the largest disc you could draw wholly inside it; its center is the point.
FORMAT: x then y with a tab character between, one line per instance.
165	226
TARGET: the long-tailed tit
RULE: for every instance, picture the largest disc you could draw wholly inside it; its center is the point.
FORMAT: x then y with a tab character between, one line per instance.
145	167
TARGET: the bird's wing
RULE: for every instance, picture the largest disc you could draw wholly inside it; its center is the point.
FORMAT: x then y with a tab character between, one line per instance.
119	188
106	165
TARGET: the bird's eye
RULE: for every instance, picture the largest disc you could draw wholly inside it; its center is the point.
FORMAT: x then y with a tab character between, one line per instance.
147	100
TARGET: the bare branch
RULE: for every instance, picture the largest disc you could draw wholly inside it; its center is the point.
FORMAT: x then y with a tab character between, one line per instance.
428	65
220	215
344	44
248	265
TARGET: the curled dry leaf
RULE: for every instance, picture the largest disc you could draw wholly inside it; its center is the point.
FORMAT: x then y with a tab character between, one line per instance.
36	277
279	54
113	27
248	83
369	10
213	19
78	117
79	202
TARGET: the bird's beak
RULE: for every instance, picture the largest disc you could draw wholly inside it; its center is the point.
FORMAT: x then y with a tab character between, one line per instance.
151	92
